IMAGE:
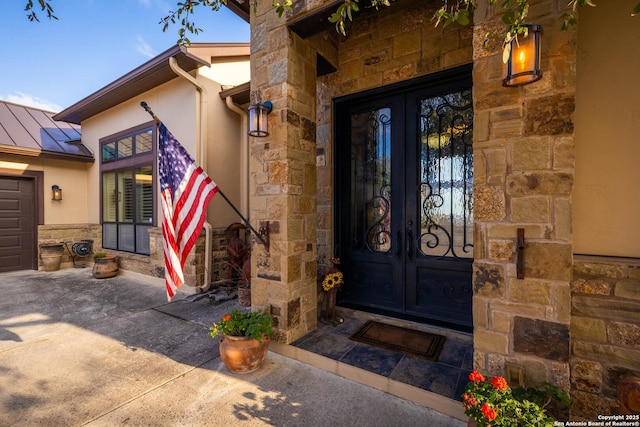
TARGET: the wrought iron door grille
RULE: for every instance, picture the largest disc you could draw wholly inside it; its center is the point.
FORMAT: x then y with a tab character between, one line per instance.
446	176
371	180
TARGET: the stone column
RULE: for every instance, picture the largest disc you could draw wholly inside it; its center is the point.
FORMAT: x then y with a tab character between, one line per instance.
283	175
523	172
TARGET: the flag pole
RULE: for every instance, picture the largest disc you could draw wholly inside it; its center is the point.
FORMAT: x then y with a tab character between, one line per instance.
148	110
263	234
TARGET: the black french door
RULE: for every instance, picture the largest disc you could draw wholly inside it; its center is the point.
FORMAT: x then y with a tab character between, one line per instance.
404	198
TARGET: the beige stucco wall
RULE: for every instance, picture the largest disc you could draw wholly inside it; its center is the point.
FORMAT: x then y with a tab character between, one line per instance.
228	71
68	175
606	203
224	136
174	102
177	104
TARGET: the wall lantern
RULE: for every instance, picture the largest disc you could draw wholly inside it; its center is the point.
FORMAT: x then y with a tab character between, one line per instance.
258	123
56	192
523	65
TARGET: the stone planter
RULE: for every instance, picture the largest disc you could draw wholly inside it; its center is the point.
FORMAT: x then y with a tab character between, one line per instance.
105	267
51	256
242	355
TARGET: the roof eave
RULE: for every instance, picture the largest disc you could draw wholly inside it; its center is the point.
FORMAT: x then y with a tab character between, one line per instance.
240	7
22	151
239	94
147	76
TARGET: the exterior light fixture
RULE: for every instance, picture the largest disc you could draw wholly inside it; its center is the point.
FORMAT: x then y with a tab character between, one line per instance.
523	65
258	123
56	192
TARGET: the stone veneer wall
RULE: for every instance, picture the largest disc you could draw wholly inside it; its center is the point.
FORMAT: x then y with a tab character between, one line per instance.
50	234
152	265
523	178
605	332
283	176
220	258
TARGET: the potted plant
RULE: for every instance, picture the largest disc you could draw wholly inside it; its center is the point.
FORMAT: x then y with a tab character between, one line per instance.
104	265
494	403
51	255
245	339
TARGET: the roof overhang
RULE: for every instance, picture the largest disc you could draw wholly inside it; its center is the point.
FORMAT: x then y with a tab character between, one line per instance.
44	154
313	21
242	8
149	75
239	94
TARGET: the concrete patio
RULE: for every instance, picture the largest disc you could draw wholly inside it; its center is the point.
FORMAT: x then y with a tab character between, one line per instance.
75	350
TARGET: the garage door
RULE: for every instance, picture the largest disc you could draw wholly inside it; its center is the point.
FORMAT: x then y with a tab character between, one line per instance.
17	224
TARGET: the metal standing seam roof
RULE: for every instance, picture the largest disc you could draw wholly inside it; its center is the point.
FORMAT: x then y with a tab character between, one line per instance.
33	132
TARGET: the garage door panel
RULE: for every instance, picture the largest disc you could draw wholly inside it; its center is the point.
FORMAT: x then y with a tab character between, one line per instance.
9	185
17	224
11	242
10	207
11	263
10	224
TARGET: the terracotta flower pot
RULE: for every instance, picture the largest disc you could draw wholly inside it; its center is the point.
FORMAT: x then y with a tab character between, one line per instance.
51	256
242	355
105	267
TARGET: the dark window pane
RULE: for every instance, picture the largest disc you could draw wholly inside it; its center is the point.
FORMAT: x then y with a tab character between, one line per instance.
109	197
126	238
128	198
110	236
142	239
108	152
371	180
125	147
446	171
144	142
126	202
144	195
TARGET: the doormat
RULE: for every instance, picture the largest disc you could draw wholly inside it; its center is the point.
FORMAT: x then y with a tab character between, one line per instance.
395	338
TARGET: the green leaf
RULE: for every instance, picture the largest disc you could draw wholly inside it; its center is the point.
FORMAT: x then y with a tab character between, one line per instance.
509	17
506	4
463	17
636	10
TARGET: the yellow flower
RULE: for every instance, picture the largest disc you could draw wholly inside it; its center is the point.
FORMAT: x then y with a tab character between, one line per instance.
332	280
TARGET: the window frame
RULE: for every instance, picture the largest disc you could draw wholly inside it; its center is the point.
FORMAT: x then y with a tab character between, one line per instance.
130	163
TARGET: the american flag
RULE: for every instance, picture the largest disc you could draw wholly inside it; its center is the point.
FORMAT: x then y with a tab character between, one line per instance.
186	190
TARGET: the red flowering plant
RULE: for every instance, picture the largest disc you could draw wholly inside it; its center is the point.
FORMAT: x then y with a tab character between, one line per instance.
494	403
254	324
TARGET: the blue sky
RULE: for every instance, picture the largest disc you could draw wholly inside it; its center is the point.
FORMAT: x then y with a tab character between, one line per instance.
53	64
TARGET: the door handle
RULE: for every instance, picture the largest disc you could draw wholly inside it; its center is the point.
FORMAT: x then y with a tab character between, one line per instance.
399	243
409	244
